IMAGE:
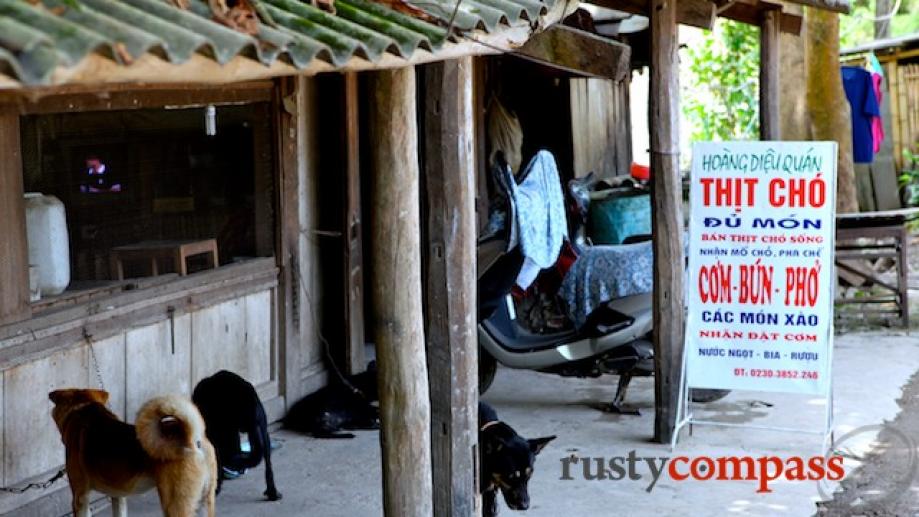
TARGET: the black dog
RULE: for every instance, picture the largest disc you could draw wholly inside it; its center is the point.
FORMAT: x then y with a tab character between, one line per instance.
505	462
338	406
230	405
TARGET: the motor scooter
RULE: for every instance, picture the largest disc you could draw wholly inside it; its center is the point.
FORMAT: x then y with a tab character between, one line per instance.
616	338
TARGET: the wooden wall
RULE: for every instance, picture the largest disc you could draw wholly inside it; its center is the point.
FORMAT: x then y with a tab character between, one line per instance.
14	253
600	127
136	364
257	318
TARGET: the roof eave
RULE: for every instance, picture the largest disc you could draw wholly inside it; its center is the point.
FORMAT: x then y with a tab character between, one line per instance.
153	69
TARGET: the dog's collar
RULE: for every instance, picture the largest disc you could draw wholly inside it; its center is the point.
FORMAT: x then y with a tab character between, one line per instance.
489	424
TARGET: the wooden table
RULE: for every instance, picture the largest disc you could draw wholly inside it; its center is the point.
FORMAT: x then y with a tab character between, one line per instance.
868	236
178	251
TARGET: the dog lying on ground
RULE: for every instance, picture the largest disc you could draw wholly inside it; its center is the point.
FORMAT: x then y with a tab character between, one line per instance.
505	462
337	406
230	405
166	448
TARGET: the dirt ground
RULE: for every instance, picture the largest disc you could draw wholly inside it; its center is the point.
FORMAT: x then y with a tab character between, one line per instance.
886	484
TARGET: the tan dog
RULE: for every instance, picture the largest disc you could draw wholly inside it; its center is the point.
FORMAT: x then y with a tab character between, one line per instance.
167	449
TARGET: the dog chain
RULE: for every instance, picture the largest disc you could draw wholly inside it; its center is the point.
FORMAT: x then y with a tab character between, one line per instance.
43	485
92	352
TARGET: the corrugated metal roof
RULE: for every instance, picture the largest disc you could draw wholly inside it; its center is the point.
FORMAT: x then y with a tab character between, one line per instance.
37	38
884	45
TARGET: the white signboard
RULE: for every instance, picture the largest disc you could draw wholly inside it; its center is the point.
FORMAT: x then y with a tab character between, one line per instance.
760	281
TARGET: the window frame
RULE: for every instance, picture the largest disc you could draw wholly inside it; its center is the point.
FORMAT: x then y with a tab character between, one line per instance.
46	327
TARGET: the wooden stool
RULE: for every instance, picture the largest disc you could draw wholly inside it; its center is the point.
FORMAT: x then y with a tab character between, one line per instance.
153	251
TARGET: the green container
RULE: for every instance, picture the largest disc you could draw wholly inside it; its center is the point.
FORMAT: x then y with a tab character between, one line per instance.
617	216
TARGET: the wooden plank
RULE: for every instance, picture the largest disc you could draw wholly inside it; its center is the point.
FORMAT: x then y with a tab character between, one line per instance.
257	338
623	127
890	73
769	77
452	344
158	356
355	361
218	337
32	443
291	108
578	51
479	66
695	13
836	6
116	97
405	433
666	217
752	12
14	248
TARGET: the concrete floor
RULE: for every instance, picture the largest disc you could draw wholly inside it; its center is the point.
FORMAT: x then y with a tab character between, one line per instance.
332	478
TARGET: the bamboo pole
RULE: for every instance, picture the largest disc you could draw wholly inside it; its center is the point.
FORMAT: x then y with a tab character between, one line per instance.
397	307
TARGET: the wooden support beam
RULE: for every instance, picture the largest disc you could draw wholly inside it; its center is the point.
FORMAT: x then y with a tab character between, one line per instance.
14	249
836	6
769	72
666	219
405	433
752	12
353	243
695	13
450	310
291	103
579	52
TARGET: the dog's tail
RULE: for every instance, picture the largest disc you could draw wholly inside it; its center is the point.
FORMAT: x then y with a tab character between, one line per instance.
169	427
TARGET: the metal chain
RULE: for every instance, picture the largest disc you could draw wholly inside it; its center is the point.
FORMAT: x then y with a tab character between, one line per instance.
92	352
53	479
43	485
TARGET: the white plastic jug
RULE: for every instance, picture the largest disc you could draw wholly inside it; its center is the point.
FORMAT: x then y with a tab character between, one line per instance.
49	245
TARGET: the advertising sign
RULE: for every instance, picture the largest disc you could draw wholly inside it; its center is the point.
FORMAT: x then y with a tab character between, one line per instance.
760	280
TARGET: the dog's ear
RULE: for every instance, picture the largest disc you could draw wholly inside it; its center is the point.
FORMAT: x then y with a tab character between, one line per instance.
372	366
100	396
58	396
537	444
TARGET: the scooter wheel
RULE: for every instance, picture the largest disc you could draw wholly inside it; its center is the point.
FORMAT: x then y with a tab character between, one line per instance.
488	366
703	396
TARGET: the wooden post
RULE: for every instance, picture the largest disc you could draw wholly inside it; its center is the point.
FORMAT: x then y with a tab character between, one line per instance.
14	249
353	243
399	319
666	219
290	286
769	70
449	170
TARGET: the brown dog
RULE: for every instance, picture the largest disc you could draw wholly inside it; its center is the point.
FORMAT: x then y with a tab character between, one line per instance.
167	449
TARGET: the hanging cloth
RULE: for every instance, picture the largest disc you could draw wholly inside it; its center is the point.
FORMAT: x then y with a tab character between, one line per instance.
859	89
877	124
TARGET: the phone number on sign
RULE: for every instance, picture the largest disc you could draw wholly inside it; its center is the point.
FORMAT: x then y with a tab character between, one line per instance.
780	374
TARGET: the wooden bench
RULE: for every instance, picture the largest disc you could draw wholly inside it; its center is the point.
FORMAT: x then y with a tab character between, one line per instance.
177	251
862	238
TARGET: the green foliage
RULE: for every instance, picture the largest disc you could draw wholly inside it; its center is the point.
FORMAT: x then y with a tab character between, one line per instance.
909	178
858	27
722	97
